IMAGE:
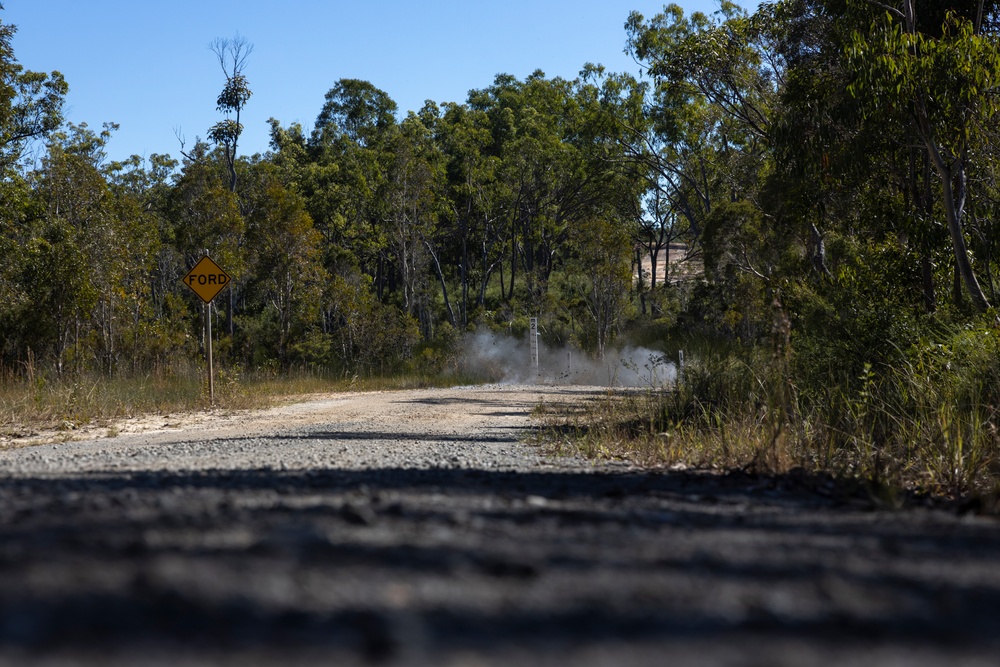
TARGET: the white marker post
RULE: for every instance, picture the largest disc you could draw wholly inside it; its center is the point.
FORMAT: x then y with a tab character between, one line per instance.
533	342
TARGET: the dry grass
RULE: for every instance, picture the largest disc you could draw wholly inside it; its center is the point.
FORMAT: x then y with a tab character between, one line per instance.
627	425
32	402
899	433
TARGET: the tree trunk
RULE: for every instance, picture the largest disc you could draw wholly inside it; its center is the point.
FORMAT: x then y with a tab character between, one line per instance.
953	182
444	285
465	278
513	265
953	213
956	288
927	278
923	201
640	283
819	249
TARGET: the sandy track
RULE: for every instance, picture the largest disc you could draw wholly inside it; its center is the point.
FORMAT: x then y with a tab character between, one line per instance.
418	528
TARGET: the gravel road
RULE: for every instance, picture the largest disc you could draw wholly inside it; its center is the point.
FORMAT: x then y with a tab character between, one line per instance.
417	528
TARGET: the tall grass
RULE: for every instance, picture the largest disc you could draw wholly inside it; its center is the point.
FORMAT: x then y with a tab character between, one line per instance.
37	399
928	424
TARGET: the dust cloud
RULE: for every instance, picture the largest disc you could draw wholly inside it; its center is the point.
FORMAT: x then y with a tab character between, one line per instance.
509	360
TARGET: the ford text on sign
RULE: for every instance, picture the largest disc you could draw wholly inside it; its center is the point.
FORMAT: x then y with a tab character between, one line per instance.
207	279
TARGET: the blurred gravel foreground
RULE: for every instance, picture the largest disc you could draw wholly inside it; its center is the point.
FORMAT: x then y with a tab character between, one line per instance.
417	528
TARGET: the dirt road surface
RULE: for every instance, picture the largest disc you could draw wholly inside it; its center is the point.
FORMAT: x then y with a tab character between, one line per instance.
418	528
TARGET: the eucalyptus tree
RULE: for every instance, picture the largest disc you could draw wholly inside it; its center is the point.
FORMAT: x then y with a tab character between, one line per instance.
603	255
344	187
709	120
363	179
90	256
205	214
477	199
158	320
357	110
940	69
822	161
555	167
31	106
284	275
524	118
719	58
640	147
845	176
416	204
17	209
232	54
30	102
350	157
983	210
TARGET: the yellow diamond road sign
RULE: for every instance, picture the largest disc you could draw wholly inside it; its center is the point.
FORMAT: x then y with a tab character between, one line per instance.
207	279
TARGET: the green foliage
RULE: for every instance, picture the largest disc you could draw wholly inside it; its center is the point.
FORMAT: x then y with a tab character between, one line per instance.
284	272
939	82
827	169
30	102
604	258
947	76
232	55
225	132
826	156
235	94
370	338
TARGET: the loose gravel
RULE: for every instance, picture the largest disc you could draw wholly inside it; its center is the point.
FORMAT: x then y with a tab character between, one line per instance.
419	527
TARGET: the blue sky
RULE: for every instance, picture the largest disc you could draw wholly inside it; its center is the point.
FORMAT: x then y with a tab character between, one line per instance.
147	65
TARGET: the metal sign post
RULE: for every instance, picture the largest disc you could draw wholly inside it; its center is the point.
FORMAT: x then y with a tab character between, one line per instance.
206	280
208	353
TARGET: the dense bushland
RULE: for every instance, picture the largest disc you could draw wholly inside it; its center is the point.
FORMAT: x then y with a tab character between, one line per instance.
842	158
826	170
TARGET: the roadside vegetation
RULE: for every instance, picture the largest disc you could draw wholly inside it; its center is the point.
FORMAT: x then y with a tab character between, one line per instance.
845	321
927	424
40	402
804	199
